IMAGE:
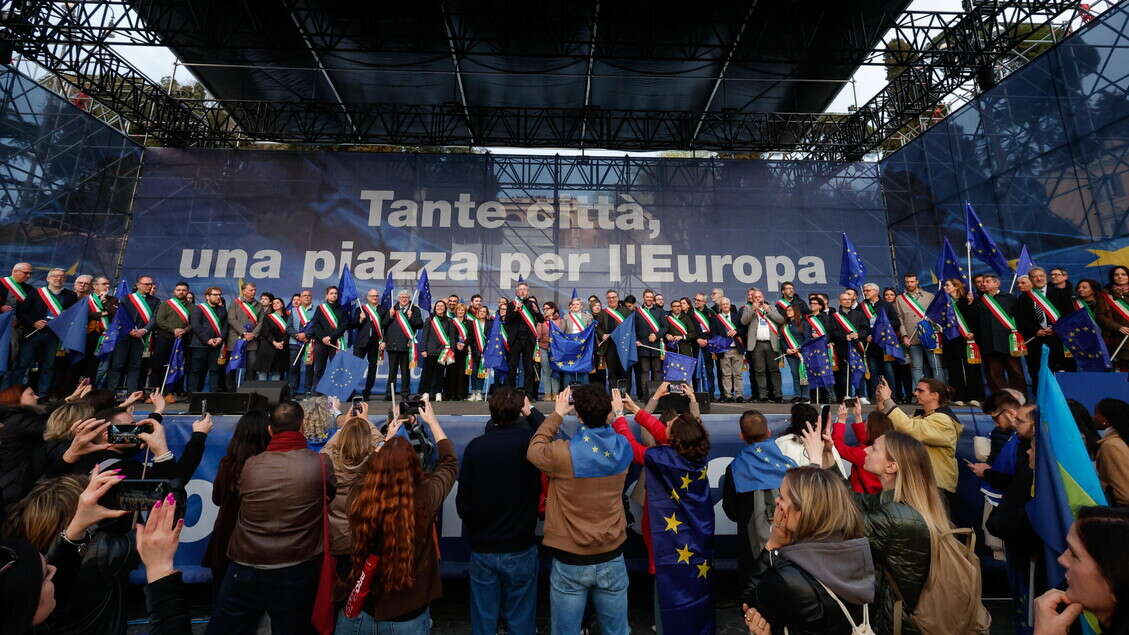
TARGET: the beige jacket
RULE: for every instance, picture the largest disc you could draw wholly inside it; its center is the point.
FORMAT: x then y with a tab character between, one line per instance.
1113	467
938	432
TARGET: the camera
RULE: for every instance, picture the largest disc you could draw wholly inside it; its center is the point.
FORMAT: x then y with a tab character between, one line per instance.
139	495
411	406
126	433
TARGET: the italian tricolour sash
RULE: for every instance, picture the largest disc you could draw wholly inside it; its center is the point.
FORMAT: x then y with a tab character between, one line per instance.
971	349
402	322
54	305
845	323
277	320
331	317
703	321
914	306
374	318
869	311
783	304
1016	346
574	318
652	323
615	315
14	288
96	306
446	354
249	310
142	307
527	317
819	330
1119	306
1040	300
468	365
793	342
674	321
479	332
305	314
181	311
211	317
1079	304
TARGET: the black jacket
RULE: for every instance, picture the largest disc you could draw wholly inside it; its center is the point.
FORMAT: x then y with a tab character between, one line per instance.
168	609
35	309
516	325
900	544
20	439
1061	299
394	337
322	327
8	298
499	489
202	330
991	336
366	336
839	334
430	342
98	603
643	330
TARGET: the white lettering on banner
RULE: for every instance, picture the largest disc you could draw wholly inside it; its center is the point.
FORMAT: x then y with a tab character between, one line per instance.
202	528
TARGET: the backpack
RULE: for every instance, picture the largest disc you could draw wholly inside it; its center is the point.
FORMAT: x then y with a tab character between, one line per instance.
950	601
862	628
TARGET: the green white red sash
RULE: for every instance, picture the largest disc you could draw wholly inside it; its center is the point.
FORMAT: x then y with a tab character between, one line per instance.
1079	304
1016	346
402	321
142	307
15	288
278	321
460	327
652	323
178	307
1040	300
572	317
971	349
615	315
677	324
505	336
845	323
249	311
96	306
817	328
304	315
211	317
703	321
373	317
54	305
446	355
331	317
869	311
1119	306
783	304
479	331
793	342
913	305
727	322
527	317
771	325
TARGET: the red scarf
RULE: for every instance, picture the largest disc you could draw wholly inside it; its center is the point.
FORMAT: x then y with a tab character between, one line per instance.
286	441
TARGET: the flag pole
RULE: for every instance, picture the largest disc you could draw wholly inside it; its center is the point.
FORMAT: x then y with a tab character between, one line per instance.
968	255
168	367
1123	340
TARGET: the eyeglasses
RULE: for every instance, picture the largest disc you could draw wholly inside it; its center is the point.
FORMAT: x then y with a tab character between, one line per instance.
210	294
8	557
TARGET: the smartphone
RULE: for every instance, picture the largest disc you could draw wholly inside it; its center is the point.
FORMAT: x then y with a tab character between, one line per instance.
357	401
204	407
850	402
121	394
411	406
139	495
676	389
623	384
126	433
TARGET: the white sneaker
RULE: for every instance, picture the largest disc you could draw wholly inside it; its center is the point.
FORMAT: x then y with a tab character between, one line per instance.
864	401
974	403
425	397
438	396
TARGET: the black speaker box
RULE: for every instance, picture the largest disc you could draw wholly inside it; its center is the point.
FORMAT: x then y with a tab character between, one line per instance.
681	403
273	391
225	403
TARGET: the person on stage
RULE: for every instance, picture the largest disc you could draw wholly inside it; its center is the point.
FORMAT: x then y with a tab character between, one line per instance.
997	335
849	329
961	355
102	306
300	374
479	325
575	320
400	327
702	315
141	310
39	343
789	298
458	376
682	331
244	320
761	322
173	316
725	325
911	305
610	317
15	288
208	326
1037	310
521	320
438	351
1113	316
273	357
650	329
816	324
870	306
328	331
369	339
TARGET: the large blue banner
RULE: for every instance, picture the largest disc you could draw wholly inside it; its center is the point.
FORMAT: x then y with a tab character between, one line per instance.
479	223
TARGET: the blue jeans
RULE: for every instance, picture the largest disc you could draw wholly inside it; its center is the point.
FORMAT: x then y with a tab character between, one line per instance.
286	595
363	624
570	586
550	380
919	357
38	349
506	581
573	378
794	367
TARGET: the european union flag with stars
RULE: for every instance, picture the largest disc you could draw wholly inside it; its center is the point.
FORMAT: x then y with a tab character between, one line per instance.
759	466
598	452
678	368
983	247
852	270
884	336
940	310
814	352
341	375
1080	334
176	361
948	265
680	520
495	355
571	353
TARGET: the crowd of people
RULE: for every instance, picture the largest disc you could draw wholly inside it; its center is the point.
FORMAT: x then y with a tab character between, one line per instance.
293	339
328	519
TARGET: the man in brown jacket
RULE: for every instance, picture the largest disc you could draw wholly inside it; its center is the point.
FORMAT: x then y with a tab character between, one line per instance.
276	548
585	527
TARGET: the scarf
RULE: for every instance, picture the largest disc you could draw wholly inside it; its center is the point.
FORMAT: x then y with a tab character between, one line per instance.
286	441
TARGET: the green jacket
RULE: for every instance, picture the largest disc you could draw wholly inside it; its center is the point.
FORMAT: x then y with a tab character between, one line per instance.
899	542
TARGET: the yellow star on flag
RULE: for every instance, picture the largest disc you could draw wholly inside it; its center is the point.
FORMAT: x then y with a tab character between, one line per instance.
672	523
1107	257
587	438
606	453
703	474
684	554
674	495
595	449
703	568
685	482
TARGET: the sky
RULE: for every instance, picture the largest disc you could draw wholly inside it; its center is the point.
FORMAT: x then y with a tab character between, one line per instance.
157	62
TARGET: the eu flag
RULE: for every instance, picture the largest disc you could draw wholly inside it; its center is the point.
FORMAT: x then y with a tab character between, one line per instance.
118	326
176	361
237	358
857	365
495	355
940	311
5	338
598	452
759	466
423	292
347	292
1080	334
680	519
623	337
386	297
571	353
852	271
814	352
948	265
1024	264
983	247
883	335
678	368
341	375
1065	478
70	328
718	344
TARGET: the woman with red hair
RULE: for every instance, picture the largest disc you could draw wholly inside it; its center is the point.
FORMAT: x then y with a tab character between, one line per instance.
395	540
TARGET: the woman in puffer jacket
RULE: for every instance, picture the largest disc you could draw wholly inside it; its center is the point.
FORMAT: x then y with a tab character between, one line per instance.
818	571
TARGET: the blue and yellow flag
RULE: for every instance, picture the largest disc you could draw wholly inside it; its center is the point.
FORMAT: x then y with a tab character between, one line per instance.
852	270
680	519
941	311
1024	264
342	373
571	352
495	355
983	247
623	337
948	266
70	327
1065	478
759	466
598	452
176	361
678	368
1080	334
814	352
884	336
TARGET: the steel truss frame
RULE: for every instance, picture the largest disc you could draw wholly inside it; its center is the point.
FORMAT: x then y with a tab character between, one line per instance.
939	53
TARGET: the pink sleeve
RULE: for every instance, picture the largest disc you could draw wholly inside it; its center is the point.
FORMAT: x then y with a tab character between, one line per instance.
637	449
653	425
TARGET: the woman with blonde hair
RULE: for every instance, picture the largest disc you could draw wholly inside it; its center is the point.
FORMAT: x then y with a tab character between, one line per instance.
57	434
349	451
818	573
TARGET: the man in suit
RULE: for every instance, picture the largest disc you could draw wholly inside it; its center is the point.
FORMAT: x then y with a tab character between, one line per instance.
328	331
369	340
297	327
173	317
1037	311
994	324
871	305
244	321
849	329
762	346
40	343
650	328
129	351
400	325
522	327
609	318
208	326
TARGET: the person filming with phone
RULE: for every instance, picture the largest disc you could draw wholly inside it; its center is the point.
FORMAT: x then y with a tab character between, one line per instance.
935	426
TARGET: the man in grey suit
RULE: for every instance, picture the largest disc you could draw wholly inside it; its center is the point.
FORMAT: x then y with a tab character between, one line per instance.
762	341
